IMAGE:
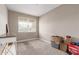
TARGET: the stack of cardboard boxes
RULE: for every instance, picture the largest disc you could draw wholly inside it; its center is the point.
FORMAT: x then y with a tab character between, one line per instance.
60	42
56	41
63	46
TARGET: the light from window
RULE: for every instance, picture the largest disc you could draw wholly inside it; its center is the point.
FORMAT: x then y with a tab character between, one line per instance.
25	25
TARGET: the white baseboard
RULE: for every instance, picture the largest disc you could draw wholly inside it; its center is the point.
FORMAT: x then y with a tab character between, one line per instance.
24	40
46	41
33	39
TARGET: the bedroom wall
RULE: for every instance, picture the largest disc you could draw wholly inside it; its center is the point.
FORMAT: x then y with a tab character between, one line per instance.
13	26
3	19
62	21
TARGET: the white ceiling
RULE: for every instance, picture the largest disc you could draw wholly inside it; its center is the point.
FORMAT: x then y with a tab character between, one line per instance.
32	9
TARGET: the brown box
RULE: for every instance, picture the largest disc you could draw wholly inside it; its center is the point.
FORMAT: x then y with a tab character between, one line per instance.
57	39
63	47
61	42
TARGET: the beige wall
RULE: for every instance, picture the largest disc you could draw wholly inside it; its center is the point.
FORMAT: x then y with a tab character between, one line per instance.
3	19
63	20
13	26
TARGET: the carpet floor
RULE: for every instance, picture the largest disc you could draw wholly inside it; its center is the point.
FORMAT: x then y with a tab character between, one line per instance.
37	47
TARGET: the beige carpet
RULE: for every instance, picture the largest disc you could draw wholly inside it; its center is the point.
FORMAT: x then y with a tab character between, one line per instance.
37	47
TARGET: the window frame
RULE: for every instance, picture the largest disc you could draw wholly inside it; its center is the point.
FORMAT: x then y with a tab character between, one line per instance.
26	19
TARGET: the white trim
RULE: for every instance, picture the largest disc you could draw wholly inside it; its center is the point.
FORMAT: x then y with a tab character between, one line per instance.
46	41
26	40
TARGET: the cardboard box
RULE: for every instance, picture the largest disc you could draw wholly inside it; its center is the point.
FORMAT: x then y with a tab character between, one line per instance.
63	47
57	39
55	45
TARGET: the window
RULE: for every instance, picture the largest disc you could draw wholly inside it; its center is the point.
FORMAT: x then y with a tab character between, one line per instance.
26	25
